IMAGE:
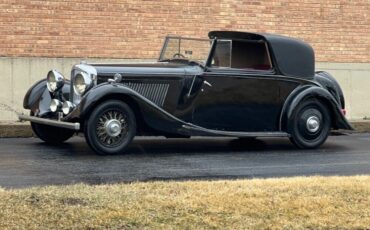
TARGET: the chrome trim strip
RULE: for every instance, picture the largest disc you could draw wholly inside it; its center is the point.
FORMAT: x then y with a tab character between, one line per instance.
44	121
237	134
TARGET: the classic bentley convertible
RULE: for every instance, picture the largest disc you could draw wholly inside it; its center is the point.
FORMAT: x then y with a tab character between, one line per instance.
233	84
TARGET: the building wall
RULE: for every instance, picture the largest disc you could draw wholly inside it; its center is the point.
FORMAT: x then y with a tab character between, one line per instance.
338	29
39	35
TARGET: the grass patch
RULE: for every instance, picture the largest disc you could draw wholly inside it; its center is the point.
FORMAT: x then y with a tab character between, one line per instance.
290	203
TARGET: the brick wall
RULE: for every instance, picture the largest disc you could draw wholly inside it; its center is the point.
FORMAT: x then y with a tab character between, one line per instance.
339	30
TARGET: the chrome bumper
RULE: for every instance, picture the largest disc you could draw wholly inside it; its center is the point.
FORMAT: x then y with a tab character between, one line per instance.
44	121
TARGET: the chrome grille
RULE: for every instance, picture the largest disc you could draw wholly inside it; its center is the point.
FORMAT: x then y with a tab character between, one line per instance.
72	92
154	92
86	68
74	98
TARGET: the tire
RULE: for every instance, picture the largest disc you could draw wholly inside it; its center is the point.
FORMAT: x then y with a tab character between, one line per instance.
311	124
50	134
110	127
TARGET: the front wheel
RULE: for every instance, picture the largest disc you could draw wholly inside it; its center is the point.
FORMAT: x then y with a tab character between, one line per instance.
110	127
310	125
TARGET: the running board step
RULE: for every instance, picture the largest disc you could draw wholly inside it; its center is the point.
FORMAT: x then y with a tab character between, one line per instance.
236	134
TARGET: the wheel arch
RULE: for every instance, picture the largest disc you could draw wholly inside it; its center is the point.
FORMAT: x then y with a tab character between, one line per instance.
126	98
303	93
151	119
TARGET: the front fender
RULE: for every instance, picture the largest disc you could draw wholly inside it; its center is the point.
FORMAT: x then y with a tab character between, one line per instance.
153	115
310	91
34	94
38	97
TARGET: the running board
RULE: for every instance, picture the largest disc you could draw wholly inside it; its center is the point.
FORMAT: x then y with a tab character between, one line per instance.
236	134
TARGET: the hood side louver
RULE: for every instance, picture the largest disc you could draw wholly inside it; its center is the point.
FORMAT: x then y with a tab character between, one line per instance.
154	92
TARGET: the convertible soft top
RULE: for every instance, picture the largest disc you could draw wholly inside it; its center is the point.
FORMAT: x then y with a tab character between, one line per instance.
292	57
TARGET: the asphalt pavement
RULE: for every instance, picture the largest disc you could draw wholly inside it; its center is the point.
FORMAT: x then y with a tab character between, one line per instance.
28	162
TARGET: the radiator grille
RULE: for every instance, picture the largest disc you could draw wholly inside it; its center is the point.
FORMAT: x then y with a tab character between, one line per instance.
74	98
153	92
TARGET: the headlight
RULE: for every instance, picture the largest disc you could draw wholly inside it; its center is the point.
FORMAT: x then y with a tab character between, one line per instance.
81	83
67	107
55	105
54	81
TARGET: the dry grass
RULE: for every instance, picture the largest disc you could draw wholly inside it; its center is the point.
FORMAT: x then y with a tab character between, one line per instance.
293	203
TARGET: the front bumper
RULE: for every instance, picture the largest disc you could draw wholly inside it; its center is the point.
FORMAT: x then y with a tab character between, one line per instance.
44	121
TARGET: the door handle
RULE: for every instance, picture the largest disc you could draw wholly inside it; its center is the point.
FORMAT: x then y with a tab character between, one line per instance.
207	83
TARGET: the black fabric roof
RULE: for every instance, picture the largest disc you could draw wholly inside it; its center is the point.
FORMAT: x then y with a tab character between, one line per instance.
292	57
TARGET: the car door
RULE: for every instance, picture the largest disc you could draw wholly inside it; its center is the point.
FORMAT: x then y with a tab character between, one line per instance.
236	99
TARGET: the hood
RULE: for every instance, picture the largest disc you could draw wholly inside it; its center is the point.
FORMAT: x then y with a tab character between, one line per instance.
164	68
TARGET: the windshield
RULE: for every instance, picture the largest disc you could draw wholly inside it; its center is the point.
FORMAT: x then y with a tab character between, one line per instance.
189	49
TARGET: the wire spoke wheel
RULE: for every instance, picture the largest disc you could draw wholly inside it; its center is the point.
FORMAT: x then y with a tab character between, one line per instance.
110	127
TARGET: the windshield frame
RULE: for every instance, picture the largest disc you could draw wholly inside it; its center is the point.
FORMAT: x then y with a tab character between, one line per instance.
167	38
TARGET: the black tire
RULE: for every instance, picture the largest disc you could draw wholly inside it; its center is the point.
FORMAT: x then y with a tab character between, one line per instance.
50	134
311	124
102	139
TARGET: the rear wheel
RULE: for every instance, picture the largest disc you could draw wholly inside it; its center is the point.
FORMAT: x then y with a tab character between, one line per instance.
50	134
310	125
110	127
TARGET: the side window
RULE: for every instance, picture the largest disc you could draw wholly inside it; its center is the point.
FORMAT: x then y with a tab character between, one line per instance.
250	55
222	54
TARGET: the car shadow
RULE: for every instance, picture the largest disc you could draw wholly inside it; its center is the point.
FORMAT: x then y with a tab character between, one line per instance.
191	146
205	145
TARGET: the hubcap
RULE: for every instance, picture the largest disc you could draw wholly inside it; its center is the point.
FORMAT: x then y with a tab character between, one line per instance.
313	124
111	128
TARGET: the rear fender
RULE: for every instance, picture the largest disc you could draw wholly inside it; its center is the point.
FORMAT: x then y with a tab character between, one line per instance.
309	91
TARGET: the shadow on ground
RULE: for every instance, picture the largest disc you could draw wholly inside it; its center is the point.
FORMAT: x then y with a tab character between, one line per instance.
191	146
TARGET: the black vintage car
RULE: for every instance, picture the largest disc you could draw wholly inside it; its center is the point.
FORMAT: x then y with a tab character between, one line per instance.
233	84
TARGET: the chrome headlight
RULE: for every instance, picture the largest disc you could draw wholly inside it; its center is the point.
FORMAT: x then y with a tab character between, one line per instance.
54	81
55	105
81	83
67	107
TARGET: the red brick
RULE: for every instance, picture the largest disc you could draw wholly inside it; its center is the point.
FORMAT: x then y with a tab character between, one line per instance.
338	30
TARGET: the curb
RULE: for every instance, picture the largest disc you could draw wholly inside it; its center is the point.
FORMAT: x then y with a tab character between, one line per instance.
360	126
23	129
15	129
